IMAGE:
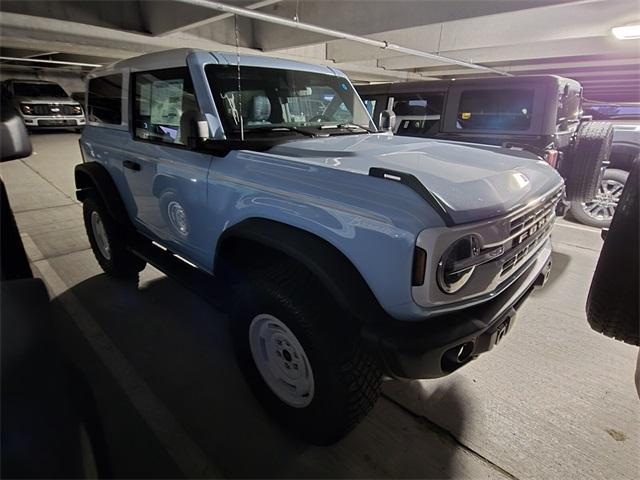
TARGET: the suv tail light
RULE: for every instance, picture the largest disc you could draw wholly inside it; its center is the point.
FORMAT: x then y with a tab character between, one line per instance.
551	157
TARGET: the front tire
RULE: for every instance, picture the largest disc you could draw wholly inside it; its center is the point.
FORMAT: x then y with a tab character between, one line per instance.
599	211
302	356
108	241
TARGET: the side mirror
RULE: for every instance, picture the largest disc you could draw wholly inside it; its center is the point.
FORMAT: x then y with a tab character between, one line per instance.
193	128
387	120
14	138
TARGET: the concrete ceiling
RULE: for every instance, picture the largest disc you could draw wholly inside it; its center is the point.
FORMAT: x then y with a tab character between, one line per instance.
570	38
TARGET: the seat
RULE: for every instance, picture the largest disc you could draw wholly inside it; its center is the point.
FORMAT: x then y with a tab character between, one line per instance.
259	110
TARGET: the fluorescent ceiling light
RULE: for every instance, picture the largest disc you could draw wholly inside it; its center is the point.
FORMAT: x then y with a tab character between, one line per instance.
628	32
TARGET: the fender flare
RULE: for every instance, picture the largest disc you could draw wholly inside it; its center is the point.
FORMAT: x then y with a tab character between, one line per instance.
333	269
93	176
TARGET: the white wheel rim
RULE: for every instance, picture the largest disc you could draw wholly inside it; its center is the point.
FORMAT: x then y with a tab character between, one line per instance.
603	206
100	234
178	218
281	360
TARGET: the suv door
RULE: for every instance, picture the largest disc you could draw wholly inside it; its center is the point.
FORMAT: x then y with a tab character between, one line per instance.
167	179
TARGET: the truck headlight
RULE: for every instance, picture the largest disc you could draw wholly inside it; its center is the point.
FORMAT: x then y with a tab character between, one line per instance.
76	110
26	109
457	264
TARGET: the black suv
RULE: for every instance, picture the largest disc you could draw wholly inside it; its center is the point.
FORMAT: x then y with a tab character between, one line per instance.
539	113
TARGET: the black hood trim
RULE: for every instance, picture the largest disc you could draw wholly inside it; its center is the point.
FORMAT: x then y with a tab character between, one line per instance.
416	185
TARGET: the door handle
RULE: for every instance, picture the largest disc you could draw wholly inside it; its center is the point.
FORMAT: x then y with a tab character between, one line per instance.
131	165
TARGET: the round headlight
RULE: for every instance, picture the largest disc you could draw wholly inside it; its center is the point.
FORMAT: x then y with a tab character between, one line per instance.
452	272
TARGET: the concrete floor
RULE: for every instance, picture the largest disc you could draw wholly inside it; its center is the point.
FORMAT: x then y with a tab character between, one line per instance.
554	401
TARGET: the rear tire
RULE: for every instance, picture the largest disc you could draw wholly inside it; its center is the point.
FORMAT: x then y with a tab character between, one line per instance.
339	381
599	211
613	302
108	241
587	160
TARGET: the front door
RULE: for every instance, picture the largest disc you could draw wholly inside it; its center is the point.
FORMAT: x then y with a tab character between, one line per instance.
167	180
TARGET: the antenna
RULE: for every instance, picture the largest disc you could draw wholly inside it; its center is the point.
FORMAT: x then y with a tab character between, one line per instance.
239	83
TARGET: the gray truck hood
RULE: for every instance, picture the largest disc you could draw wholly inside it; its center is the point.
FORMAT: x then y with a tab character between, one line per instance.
60	100
473	183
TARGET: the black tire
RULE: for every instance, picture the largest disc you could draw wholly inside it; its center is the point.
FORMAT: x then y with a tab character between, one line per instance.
346	378
588	159
613	302
578	211
120	262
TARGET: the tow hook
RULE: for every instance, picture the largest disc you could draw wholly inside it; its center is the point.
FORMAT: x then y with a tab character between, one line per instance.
562	208
543	276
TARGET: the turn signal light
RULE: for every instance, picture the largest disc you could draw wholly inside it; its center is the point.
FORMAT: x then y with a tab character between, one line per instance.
419	267
551	157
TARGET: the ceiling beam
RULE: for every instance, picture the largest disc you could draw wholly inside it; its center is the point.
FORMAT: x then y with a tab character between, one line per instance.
587	19
217	18
548	67
22	31
374	16
296	24
537	51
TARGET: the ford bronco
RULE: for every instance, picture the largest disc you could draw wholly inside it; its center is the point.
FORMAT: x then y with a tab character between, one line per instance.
349	254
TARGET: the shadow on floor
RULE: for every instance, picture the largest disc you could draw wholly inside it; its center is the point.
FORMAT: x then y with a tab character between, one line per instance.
179	345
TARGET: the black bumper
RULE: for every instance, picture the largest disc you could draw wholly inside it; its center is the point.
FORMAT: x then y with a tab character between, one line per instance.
437	346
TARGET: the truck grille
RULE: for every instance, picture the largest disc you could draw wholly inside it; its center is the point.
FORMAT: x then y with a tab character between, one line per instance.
51	109
527	231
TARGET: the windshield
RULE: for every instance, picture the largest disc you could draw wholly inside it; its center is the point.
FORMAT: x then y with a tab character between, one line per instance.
274	99
38	90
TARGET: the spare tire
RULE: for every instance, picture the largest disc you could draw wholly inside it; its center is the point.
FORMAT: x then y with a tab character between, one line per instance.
613	302
587	160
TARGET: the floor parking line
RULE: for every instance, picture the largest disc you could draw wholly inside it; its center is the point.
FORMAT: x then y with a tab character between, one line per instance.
187	455
578	227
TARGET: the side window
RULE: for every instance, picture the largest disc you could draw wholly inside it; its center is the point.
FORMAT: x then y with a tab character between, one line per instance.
370	105
495	110
418	114
105	99
161	97
418	105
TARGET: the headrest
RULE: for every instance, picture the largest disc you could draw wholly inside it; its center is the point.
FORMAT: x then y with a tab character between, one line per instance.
259	109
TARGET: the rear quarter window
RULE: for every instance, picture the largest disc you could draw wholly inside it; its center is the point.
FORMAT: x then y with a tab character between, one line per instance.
104	102
509	109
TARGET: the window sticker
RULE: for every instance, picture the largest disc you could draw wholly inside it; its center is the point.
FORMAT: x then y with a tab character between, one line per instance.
166	102
145	99
465	115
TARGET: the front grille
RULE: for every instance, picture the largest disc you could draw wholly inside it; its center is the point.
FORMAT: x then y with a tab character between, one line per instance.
51	109
57	123
528	230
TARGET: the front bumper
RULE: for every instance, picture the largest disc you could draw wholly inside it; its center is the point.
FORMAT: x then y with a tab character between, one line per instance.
438	346
54	122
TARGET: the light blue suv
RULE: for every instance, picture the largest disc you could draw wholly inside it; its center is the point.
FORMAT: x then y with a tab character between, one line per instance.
347	254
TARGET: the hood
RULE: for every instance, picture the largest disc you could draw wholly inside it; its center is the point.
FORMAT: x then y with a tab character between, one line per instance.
59	100
472	183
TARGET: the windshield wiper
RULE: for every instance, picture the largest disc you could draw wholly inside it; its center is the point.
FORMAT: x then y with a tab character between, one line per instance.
276	128
347	126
